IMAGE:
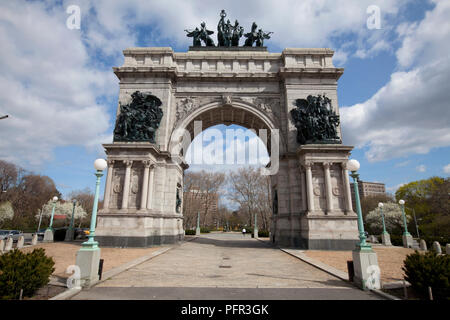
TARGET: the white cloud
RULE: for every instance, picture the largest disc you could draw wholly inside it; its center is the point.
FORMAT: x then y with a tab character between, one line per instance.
421	168
393	189
447	169
47	86
53	78
410	113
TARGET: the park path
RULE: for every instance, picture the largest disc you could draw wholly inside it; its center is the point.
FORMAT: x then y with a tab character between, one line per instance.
224	266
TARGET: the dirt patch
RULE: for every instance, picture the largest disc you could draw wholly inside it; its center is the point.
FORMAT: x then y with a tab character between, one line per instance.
390	260
64	255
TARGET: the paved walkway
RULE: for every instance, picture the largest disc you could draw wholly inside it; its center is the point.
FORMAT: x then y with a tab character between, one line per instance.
224	266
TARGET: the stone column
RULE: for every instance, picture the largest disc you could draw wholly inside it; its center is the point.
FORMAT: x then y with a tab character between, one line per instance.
150	186
309	186
347	193
144	193
303	186
126	184
108	184
328	194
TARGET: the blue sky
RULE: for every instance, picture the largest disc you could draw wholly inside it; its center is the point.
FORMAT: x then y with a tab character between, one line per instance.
58	87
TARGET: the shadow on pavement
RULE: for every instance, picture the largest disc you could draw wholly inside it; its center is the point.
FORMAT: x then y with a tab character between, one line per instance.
244	243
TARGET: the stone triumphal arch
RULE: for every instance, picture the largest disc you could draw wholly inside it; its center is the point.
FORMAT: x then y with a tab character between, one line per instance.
162	91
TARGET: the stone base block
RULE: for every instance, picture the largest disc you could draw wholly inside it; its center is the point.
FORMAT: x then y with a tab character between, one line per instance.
8	244
34	240
197	231
407	241
386	239
88	260
138	231
69	234
367	272
48	236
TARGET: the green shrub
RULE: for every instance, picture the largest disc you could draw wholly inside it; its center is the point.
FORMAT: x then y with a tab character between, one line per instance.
396	240
204	230
428	270
263	233
189	232
430	239
27	271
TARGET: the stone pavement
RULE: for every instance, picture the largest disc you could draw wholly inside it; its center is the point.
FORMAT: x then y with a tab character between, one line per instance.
225	266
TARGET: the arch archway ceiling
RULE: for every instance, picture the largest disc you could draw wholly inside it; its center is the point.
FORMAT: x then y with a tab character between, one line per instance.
228	115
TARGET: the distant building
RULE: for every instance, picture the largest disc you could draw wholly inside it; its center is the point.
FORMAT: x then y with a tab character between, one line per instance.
367	189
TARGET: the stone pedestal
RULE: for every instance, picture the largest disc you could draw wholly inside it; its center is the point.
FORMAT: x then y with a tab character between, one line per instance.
69	234
386	239
423	245
2	245
48	236
8	244
88	260
140	197
320	215
34	240
367	272
20	242
407	241
197	231
437	247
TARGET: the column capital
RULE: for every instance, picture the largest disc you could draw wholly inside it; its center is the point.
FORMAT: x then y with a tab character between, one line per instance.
128	163
148	164
110	162
307	164
327	164
344	165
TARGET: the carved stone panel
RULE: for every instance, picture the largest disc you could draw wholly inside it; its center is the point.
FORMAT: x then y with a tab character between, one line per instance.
134	199
337	187
318	179
117	182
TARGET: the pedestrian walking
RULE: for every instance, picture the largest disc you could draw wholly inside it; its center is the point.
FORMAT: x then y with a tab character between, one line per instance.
243	232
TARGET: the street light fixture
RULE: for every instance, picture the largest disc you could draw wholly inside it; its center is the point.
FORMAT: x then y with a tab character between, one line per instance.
385	237
88	257
365	262
407	237
48	235
353	166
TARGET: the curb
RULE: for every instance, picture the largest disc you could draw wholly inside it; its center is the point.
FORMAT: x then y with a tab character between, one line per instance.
384	294
111	273
66	294
334	272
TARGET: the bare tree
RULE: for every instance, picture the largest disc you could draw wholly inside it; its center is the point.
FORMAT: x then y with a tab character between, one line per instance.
201	191
251	191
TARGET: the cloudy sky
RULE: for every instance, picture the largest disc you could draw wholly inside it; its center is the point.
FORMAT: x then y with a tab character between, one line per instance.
60	93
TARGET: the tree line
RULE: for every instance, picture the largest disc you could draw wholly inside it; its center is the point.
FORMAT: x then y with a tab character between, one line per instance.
427	203
25	194
246	189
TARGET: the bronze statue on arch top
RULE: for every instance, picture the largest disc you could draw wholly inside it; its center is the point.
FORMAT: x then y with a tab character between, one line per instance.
228	35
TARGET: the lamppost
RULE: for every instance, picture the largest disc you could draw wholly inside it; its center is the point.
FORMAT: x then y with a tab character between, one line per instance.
88	257
70	231
255	229
353	166
48	235
415	222
385	237
365	262
407	237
